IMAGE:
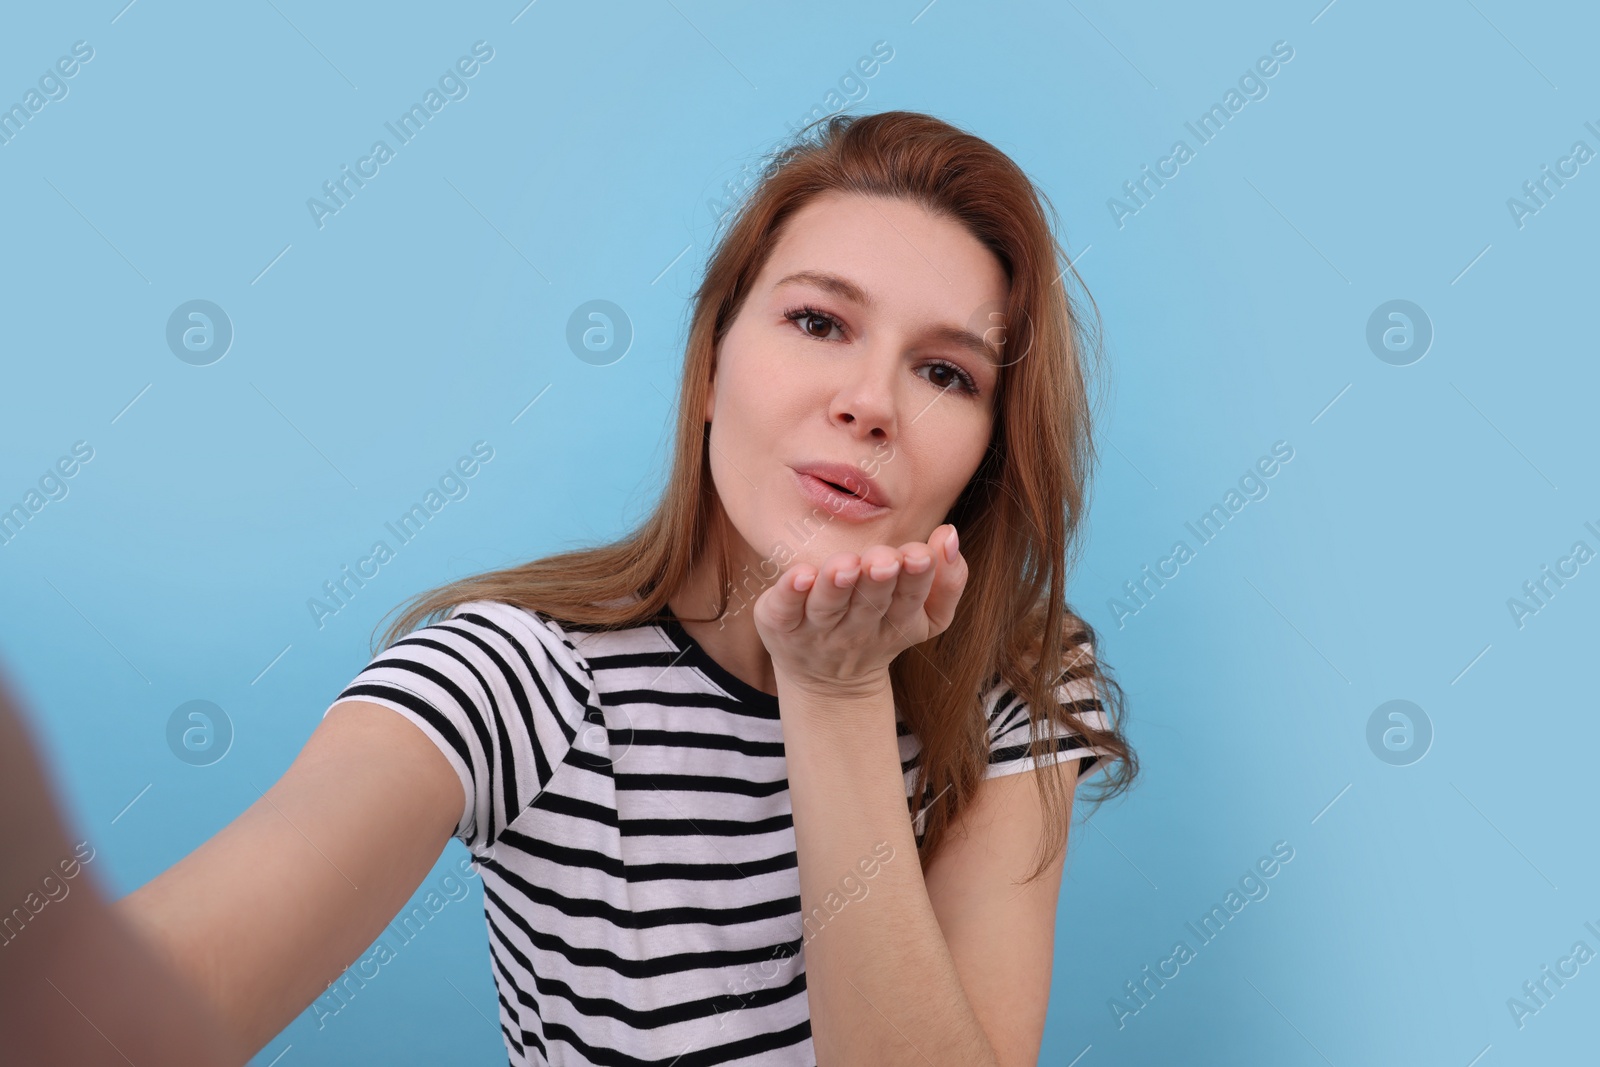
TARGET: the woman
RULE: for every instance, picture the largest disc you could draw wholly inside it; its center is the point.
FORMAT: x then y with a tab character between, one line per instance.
770	779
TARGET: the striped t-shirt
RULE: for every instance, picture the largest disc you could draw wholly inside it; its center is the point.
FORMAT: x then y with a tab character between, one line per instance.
627	803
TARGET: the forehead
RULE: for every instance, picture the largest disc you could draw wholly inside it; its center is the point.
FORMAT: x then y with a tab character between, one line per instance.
908	260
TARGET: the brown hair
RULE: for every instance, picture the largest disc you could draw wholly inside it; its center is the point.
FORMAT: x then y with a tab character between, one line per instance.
1018	516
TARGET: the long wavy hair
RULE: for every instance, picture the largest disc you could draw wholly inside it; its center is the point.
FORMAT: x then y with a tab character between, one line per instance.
1019	515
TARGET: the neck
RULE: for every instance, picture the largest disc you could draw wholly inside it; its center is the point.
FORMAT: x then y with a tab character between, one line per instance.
731	639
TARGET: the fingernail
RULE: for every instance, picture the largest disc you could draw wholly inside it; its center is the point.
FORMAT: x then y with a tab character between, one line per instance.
882	571
951	546
917	564
802	582
845	579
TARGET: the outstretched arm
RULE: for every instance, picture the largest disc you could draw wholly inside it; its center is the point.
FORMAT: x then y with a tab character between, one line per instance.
281	900
77	984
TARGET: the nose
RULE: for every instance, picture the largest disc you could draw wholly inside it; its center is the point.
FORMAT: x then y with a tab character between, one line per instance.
865	400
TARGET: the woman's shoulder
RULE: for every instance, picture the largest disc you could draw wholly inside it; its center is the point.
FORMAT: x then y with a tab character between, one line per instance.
503	693
1015	729
572	641
479	644
1006	708
534	632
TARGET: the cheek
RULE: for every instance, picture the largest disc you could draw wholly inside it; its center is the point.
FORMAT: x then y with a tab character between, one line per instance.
954	432
938	483
940	460
751	412
749	429
765	396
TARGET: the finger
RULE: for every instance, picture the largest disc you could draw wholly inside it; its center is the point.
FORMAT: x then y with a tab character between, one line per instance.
829	599
916	580
950	578
880	573
786	600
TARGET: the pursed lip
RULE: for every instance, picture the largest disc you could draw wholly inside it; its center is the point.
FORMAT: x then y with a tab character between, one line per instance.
850	478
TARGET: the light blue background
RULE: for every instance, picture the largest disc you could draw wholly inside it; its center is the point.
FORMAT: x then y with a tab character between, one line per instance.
371	353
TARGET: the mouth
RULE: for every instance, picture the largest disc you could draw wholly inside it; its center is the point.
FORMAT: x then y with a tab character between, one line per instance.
842	488
837	490
846	480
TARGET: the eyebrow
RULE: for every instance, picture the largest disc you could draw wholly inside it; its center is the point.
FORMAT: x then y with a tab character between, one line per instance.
846	289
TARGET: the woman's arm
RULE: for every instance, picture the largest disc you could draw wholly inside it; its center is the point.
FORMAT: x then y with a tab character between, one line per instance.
270	910
76	984
953	967
881	979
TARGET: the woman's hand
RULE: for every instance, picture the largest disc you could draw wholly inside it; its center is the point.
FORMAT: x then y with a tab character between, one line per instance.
78	983
838	629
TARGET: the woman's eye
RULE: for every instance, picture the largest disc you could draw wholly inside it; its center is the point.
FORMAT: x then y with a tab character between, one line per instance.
955	377
813	323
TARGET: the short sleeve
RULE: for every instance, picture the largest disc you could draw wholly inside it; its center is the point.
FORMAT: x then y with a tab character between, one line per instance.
1010	729
501	691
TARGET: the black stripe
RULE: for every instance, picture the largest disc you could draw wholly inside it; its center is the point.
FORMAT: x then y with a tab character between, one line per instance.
676	915
701	783
641	969
1014	709
601	815
585	859
510	795
619	661
691	739
578	692
512	1038
697	701
1051	744
507	980
498	755
642	1019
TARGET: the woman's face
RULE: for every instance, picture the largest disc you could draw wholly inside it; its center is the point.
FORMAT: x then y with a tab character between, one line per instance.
862	344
